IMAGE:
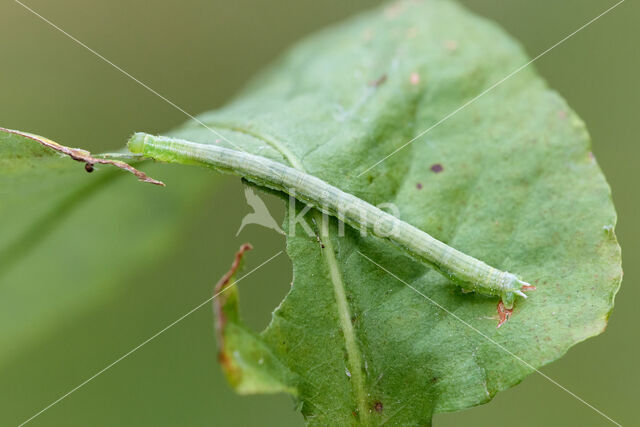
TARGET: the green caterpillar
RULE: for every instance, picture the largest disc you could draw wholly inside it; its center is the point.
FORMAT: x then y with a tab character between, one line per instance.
464	270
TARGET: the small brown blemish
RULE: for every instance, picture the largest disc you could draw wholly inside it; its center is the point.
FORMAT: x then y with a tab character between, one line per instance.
377	406
318	234
225	361
88	167
419	186
451	45
436	168
414	78
503	314
379	81
394	10
434	380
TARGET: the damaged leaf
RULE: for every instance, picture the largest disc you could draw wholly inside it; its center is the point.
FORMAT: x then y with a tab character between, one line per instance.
81	155
249	364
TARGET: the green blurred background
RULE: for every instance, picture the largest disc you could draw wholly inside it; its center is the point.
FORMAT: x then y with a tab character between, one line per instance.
197	53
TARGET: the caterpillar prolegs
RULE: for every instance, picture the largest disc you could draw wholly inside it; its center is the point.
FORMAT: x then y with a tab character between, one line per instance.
467	272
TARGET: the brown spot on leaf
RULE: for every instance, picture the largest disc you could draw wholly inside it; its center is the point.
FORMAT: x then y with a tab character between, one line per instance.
225	361
394	10
436	168
451	45
377	406
503	314
81	155
88	167
434	380
379	81
419	186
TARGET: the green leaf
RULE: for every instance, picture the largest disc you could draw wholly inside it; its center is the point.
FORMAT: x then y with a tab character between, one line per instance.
508	179
366	334
69	239
247	361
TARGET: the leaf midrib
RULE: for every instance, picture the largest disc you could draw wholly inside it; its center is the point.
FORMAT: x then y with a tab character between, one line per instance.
354	358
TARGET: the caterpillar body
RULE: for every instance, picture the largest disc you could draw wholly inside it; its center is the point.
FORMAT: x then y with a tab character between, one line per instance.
464	270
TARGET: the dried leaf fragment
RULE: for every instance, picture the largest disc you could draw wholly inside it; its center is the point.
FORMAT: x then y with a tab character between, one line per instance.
81	155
